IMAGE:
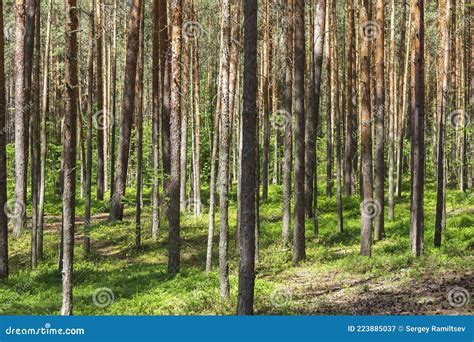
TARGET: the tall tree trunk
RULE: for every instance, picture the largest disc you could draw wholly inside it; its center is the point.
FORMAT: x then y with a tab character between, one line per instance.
350	155
155	194
175	123
139	130
379	120
116	212
43	134
266	66
368	206
165	63
417	110
69	153
3	158
329	104
444	19
288	134
113	113
299	252
248	162
392	114
224	153
35	143
90	113
318	55
21	121
403	86
101	111
197	121
337	119
186	105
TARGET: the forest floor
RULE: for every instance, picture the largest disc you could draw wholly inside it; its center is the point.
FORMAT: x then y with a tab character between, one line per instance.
115	279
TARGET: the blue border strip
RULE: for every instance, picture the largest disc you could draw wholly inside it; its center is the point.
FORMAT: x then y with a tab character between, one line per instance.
238	329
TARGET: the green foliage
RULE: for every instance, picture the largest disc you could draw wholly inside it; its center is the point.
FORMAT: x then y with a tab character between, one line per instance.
141	285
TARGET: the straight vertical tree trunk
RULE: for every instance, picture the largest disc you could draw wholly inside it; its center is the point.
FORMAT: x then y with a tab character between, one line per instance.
197	121
299	252
186	105
266	66
35	143
139	130
113	113
90	113
379	120
417	109
69	153
3	158
175	139
329	104
350	155
248	162
318	55
368	205
288	134
128	105
224	153
392	114
100	116
43	134
21	133
337	119
155	194
444	19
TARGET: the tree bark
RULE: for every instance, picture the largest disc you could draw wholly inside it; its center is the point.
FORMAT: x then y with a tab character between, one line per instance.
299	252
116	212
175	139
69	153
3	158
288	134
155	194
101	111
350	155
248	162
21	121
379	120
368	204
417	110
444	19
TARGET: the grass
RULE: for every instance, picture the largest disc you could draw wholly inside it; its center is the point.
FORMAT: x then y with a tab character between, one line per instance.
333	280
